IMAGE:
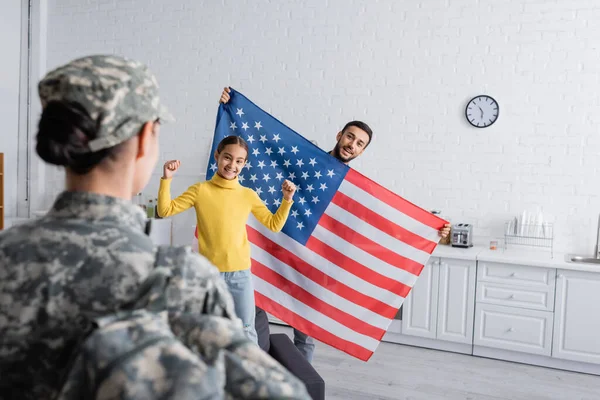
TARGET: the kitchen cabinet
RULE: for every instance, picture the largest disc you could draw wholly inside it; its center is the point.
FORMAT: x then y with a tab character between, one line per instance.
456	301
511	328
441	304
419	310
576	317
514	307
526	309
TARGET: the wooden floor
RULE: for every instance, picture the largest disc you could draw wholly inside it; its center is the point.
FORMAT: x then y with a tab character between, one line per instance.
405	372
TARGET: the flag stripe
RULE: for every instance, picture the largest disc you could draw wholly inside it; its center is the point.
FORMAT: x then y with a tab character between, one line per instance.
276	295
383	224
317	275
323	294
380	301
371	233
392	214
369	246
393	199
358	325
311	328
364	258
358	269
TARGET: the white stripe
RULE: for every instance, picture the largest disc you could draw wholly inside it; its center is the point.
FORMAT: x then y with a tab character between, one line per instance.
377	236
285	300
363	257
392	214
319	291
332	270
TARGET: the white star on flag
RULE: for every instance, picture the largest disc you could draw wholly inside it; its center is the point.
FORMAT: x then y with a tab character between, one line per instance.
313	162
299	162
295	149
257	125
281	151
323	187
315	199
318	174
276	138
330	173
245	126
240	112
233	126
263	138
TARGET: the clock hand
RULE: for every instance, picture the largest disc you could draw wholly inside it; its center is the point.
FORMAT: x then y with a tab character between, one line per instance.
481	111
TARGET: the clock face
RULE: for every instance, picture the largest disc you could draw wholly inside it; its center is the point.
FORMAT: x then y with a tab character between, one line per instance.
482	111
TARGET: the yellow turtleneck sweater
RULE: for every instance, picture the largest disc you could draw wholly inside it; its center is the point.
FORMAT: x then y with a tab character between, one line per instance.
222	209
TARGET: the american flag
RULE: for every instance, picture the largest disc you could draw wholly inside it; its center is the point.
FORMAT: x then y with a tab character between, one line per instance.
350	251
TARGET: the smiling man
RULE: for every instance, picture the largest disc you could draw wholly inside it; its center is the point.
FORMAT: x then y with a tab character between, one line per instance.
352	141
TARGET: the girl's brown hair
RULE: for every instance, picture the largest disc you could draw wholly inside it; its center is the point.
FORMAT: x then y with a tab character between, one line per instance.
233	140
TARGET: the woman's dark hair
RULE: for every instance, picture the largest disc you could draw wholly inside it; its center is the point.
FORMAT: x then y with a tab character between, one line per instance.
232	140
64	130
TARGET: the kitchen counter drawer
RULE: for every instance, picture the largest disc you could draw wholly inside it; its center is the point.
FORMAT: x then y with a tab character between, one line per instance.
516	329
537	298
520	275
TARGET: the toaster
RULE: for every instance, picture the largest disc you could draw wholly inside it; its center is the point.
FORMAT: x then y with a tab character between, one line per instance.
462	235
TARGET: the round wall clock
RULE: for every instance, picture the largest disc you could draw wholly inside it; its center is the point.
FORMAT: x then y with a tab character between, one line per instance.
482	111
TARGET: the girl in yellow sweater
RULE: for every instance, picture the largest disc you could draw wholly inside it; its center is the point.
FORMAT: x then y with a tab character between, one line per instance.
222	208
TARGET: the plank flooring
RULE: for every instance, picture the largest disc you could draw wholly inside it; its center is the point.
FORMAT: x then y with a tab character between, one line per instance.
398	372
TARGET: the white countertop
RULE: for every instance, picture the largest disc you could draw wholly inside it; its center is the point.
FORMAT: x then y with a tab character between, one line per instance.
516	255
457	253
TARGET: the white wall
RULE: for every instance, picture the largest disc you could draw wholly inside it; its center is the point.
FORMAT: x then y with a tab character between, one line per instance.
10	49
406	68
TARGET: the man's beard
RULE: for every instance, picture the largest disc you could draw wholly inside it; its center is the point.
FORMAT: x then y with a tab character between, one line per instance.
338	154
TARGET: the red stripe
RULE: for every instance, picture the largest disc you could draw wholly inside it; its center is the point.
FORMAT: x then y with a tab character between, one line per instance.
383	224
311	329
369	246
304	296
319	276
393	200
356	268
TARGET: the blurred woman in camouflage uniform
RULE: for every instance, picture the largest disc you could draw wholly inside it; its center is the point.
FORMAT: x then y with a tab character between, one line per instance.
88	256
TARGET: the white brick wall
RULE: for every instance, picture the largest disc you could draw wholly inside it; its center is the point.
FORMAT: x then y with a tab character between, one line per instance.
406	68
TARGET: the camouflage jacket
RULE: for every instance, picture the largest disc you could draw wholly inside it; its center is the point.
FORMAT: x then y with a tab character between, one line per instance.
87	258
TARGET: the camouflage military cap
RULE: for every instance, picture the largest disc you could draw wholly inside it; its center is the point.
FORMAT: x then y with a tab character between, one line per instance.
119	94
